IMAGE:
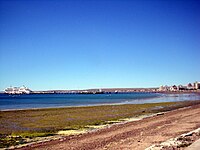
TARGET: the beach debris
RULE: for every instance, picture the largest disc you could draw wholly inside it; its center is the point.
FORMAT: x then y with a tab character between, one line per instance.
179	142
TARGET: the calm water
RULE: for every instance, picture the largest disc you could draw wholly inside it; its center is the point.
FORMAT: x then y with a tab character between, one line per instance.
60	100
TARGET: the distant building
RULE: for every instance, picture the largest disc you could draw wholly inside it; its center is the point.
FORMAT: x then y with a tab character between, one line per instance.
164	88
173	88
190	86
161	88
17	90
197	85
181	88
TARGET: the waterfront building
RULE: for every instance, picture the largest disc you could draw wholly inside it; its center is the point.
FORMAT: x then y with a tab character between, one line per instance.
197	85
161	88
190	86
164	88
173	88
181	88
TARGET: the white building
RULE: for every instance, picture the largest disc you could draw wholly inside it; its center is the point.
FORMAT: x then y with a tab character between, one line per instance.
164	88
197	85
17	90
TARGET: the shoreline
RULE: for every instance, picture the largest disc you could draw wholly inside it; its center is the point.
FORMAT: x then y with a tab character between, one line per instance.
83	106
178	92
75	141
60	118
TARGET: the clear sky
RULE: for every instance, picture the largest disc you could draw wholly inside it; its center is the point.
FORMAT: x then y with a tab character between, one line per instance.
78	44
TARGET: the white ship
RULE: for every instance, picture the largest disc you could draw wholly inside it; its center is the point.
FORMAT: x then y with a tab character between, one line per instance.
17	90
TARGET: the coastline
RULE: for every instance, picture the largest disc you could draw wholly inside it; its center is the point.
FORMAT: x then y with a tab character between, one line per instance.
138	134
105	114
179	92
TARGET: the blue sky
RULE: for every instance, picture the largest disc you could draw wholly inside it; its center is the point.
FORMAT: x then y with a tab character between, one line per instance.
55	44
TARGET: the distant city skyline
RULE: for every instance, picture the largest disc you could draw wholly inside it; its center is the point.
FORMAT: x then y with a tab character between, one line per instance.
49	44
191	85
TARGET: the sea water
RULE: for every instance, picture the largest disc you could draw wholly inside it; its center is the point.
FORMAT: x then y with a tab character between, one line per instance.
8	102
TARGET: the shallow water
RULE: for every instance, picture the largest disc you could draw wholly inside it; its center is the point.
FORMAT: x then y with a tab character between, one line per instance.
64	100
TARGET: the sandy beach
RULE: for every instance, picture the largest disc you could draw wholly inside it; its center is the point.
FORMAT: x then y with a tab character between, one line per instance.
99	74
131	135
